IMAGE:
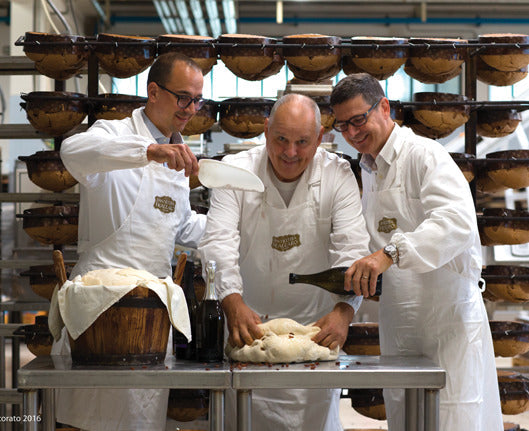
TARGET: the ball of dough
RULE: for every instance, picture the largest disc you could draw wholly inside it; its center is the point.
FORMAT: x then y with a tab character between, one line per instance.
284	340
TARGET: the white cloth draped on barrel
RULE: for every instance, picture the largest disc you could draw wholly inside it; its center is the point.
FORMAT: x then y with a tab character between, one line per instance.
77	306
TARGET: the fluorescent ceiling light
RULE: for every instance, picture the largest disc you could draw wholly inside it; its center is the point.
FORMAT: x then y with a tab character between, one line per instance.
168	24
213	14
184	16
167	13
279	12
196	8
174	15
228	8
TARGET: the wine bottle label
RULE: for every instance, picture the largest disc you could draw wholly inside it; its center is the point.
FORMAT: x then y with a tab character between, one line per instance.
285	242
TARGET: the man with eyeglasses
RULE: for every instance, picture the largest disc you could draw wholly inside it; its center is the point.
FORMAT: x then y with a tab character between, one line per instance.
134	187
424	238
308	219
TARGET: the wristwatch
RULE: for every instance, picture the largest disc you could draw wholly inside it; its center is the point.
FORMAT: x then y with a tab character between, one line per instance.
392	251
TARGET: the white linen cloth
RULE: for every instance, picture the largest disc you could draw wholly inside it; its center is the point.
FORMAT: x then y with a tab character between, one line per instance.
77	306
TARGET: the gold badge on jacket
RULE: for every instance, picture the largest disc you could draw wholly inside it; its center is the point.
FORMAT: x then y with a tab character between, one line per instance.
285	242
387	224
165	204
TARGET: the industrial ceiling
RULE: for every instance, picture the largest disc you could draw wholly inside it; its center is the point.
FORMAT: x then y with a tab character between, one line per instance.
262	16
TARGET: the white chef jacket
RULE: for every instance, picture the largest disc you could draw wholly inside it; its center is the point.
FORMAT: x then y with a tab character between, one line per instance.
113	168
257	240
233	216
416	197
121	193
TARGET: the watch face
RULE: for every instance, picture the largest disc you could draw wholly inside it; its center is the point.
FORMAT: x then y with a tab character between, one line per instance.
390	249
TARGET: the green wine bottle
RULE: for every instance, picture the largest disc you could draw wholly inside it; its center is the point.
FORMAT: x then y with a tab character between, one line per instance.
331	280
209	325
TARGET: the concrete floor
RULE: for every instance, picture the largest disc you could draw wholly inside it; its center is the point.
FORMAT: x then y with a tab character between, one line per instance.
353	420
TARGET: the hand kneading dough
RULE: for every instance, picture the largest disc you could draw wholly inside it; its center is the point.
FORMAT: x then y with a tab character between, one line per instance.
284	340
116	277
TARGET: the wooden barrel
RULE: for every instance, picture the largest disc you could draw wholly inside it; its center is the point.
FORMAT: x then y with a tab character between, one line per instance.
133	331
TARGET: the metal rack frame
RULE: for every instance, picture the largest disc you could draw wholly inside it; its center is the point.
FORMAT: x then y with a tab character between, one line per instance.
22	65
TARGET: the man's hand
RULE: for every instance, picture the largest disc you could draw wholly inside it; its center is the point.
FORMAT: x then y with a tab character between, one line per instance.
334	326
362	275
242	321
177	157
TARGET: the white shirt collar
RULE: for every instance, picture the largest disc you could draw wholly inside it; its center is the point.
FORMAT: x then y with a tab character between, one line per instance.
386	156
158	136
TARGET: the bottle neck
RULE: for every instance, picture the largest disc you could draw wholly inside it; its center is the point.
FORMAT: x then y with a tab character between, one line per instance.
211	294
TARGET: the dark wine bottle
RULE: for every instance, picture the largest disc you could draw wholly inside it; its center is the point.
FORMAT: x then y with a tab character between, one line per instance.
210	322
331	280
182	348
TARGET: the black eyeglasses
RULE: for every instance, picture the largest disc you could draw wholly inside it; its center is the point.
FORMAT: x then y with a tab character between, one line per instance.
356	121
183	100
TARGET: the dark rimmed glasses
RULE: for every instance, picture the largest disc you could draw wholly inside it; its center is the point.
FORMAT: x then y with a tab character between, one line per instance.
183	100
356	121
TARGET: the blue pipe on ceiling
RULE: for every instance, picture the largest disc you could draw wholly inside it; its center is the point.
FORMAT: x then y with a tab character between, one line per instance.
386	20
7	19
141	19
477	21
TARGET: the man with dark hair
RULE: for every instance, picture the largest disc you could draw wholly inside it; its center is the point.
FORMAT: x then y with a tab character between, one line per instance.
308	219
424	238
134	206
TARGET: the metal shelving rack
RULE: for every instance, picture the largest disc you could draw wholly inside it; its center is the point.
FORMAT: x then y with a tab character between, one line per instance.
20	65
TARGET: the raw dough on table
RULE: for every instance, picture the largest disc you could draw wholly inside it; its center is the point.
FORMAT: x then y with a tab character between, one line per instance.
284	340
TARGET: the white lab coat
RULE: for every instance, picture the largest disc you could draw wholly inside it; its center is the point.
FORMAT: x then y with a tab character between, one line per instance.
418	199
257	240
132	211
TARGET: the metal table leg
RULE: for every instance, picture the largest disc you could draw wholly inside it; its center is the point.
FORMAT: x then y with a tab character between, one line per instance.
15	365
431	410
244	410
48	410
30	409
412	412
3	425
216	410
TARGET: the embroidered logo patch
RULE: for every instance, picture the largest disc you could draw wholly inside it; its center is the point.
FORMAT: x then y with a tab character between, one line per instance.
165	204
285	242
386	225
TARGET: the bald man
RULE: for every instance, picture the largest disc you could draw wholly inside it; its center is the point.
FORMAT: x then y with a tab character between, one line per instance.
308	219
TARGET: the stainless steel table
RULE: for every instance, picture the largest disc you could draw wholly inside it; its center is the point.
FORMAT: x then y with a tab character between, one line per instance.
414	374
48	373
